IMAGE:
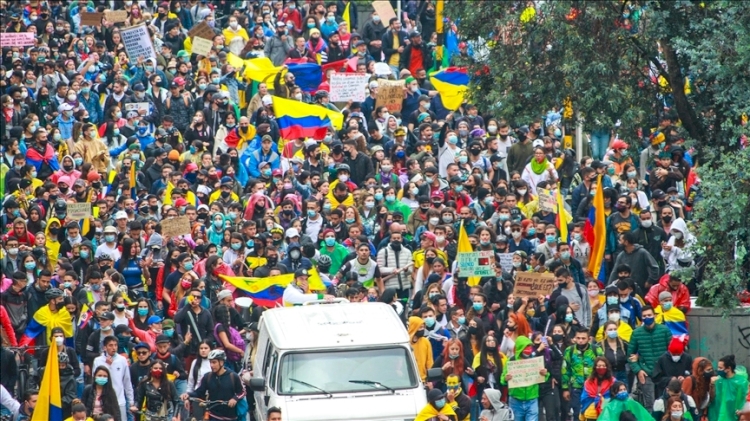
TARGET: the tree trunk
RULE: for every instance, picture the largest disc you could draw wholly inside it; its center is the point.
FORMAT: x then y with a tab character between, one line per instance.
677	82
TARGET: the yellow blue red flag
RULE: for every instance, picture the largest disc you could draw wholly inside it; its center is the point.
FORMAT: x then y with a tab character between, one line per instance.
49	403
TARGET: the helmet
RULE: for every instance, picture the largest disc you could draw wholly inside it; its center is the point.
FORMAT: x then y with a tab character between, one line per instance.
63	357
324	261
217	354
53	293
61	206
343	167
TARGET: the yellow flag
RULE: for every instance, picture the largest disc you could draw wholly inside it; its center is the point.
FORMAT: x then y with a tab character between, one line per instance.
168	193
464	246
347	18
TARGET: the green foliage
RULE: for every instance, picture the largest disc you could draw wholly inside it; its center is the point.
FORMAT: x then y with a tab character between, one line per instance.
581	49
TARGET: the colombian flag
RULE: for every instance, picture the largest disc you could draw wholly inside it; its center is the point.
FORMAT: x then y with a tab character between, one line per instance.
307	76
464	246
268	292
563	217
297	119
675	320
595	232
49	403
452	84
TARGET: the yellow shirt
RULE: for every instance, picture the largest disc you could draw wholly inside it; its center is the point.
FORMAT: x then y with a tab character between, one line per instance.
396	57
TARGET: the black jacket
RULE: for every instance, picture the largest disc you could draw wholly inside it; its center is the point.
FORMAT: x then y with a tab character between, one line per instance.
360	167
426	56
388	49
10	370
204	323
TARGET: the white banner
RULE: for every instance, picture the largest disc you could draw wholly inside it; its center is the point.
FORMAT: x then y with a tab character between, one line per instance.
137	42
348	87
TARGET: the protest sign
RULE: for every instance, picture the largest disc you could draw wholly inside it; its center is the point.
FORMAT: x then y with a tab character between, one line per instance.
116	16
477	263
175	226
532	284
505	261
202	46
91	18
384	9
137	42
202	30
390	94
137	106
547	200
78	211
17	39
348	87
525	372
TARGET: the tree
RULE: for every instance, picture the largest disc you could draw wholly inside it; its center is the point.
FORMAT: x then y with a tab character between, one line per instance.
626	61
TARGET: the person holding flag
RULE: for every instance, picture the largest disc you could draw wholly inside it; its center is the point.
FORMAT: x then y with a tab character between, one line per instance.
49	402
297	292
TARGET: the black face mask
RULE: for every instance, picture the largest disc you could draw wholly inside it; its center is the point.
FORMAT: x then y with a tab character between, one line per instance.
420	333
582	347
153	208
396	245
225	194
557	338
475	151
667	218
708	374
512	328
347	154
473	330
429	260
538	132
54	231
68	167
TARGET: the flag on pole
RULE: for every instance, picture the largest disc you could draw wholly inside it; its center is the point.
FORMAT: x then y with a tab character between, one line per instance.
347	17
563	217
595	232
464	246
49	403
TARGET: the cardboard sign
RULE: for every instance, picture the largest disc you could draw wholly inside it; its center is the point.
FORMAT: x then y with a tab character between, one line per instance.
477	263
91	18
348	86
20	39
390	94
547	200
532	284
137	42
384	9
137	106
175	226
525	372
202	46
202	30
505	261
116	16
78	211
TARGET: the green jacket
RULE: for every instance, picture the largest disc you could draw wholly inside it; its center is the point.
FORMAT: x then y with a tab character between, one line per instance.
649	345
577	365
526	393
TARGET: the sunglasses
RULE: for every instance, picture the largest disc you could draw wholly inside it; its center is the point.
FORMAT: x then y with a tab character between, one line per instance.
143	353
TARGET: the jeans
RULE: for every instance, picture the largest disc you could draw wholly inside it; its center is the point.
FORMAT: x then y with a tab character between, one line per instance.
575	402
599	143
525	410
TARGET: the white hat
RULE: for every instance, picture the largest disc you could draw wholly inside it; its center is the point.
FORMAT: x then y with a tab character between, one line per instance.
266	100
223	294
64	107
121	215
537	143
373	84
292	232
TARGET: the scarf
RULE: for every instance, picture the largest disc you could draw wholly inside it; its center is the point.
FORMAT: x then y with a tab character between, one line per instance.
430	412
539	167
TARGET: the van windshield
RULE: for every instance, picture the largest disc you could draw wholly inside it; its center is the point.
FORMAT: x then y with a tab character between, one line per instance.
331	371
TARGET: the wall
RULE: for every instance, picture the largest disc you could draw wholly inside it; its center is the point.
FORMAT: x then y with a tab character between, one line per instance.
713	337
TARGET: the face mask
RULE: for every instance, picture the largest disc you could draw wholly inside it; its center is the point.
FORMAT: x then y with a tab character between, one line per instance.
612	300
676	358
477	306
677	235
648	321
142	311
156	373
236	246
440	239
676	414
615	317
188	266
667	218
565	255
343	178
557	338
101	381
168	332
463	159
390	198
448	219
666	306
429	322
568	318
516	264
109	238
378	196
59	341
29	265
622	396
330	241
646	223
593	293
440	403
420	333
551	239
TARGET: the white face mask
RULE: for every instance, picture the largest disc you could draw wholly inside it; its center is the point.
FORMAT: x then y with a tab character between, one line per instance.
521	191
615	317
647	223
676	414
440	238
434	221
59	341
677	235
676	358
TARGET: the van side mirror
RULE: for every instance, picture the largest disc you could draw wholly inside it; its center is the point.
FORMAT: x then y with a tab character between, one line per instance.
258	384
433	375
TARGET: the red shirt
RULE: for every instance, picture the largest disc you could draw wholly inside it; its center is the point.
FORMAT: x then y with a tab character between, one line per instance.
416	60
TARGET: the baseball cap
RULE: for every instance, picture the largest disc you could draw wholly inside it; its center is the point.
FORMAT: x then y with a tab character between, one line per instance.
110	229
153	319
223	294
121	215
107	316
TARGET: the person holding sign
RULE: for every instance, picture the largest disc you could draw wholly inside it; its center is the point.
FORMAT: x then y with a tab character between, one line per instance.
524	400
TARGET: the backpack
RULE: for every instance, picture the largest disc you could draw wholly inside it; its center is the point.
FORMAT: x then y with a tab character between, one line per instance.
235	338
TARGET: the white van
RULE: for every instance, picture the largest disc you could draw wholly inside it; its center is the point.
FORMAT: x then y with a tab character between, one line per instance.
336	362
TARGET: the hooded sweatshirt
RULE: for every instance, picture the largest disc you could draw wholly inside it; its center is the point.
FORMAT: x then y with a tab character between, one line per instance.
644	267
52	245
679	257
525	393
421	347
499	411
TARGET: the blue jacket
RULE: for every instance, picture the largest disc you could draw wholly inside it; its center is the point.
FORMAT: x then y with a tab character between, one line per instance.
524	245
93	106
66	127
253	160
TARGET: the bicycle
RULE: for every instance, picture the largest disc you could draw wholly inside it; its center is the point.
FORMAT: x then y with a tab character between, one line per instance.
150	416
207	405
28	368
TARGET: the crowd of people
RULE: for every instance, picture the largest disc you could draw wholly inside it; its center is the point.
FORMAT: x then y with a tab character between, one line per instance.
145	323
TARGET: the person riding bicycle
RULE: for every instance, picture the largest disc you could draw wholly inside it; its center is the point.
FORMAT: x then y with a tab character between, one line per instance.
54	314
219	385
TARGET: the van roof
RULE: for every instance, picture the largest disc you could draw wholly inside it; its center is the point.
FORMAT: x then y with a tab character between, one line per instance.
334	326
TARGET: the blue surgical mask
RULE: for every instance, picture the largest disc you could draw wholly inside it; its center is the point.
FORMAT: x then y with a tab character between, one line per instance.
440	403
101	381
236	246
168	332
565	255
612	334
666	306
613	301
250	243
30	265
622	396
551	239
568	318
188	266
462	320
463	159
452	139
78	161
330	241
311	213
477	306
429	322
143	312
378	196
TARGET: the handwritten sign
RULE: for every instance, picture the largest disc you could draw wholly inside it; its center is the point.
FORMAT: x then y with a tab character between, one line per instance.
547	200
505	260
348	87
202	30
116	16
19	39
202	46
477	263
525	372
532	284
78	211
384	9
137	42
91	18
137	106
390	94
175	226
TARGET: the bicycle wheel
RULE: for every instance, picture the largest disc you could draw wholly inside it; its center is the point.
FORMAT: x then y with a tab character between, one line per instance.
22	379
